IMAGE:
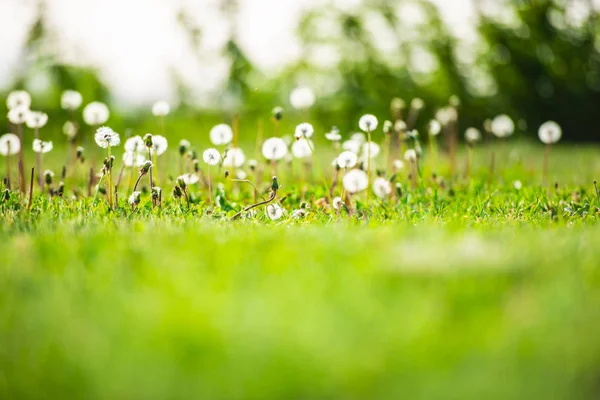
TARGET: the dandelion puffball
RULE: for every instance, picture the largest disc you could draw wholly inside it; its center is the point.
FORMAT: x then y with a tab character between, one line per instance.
211	156
517	185
398	164
274	149
70	100
410	155
161	108
159	144
368	123
302	98
234	158
347	159
106	137
334	135
382	187
133	159
18	99
472	135
70	129
221	134
18	115
134	144
371	149
9	144
355	181
41	147
337	203
189	179
502	126
417	103
302	148
95	113
304	130
352	145
274	211
36	119
434	127
550	132
135	198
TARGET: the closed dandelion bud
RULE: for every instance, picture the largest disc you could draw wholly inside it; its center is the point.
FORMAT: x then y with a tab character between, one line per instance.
388	127
61	189
184	146
275	185
193	155
6	195
277	113
252	164
101	189
226	174
145	167
196	165
148	140
400	126
48	175
181	182
156	192
79	152
177	192
135	198
398	190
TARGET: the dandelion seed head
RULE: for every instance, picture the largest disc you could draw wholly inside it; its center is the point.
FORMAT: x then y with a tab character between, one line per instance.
434	127
472	135
241	175
388	126
355	181
302	98
95	113
517	185
274	211
221	134
417	103
400	126
502	126
234	157
159	145
135	198
161	108
302	148
368	123
274	149
304	130
9	144
550	132
18	99
333	135
106	137
36	119
371	149
71	100
70	129
446	115
134	144
18	115
398	164
189	179
347	159
410	155
42	147
337	203
352	145
211	156
133	159
382	187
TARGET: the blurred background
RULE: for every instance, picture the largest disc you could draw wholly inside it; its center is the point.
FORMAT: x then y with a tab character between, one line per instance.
534	60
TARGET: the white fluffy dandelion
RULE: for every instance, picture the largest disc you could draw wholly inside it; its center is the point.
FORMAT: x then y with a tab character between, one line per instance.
189	179
36	119
333	135
410	155
71	100
502	126
135	198
221	134
398	164
517	185
337	203
133	159
304	130
371	148
70	129
134	144
161	108
382	187
302	148
42	147
368	123
356	181
9	144
18	115
159	144
234	158
302	98
472	135
347	159
211	156
274	149
18	99
274	211
106	137
95	113
352	145
434	127
550	132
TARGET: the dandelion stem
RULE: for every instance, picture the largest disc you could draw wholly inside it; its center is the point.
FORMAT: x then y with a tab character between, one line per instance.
38	162
8	167
31	188
545	166
21	162
110	188
270	199
209	185
97	189
368	164
325	185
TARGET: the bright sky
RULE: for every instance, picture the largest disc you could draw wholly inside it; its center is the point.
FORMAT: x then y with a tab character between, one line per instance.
136	44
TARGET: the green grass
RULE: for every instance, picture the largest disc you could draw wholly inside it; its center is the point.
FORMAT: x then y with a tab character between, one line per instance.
480	293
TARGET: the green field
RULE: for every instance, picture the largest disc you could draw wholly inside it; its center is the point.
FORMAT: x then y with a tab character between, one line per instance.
482	292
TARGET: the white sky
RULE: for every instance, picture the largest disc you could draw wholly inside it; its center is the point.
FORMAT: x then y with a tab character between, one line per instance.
137	43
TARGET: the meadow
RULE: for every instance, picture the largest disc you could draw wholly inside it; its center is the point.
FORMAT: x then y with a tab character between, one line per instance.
466	284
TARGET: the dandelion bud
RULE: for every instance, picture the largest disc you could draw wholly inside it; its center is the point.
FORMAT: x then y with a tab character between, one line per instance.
48	175
148	140
61	189
6	195
277	113
145	167
181	182
275	185
135	198
196	165
226	174
184	146
399	189
454	101
79	152
388	127
252	164
177	192
397	105
400	126
156	192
